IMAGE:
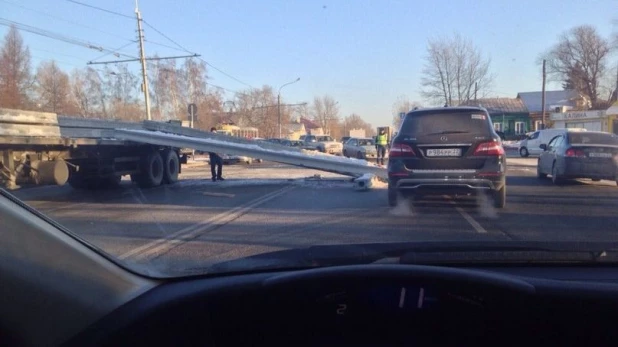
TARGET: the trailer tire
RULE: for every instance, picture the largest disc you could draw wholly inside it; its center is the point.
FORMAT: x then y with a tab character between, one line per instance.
171	166
152	171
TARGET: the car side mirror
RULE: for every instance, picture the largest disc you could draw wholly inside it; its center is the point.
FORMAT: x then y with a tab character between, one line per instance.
543	146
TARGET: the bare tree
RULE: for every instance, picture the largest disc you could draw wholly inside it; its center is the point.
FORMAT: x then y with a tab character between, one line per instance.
88	93
257	108
354	121
15	77
326	113
455	71
579	59
52	87
403	104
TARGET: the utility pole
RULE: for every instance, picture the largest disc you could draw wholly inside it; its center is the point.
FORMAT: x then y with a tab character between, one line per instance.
142	58
279	111
614	97
543	98
476	89
279	102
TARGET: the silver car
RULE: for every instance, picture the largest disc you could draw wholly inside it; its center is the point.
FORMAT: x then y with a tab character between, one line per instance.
361	148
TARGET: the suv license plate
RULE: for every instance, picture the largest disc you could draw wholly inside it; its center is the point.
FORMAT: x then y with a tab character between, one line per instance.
444	152
600	155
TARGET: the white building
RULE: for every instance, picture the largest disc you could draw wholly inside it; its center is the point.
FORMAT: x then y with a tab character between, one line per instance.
590	120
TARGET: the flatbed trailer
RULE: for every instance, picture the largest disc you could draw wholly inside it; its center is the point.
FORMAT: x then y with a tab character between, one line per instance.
45	148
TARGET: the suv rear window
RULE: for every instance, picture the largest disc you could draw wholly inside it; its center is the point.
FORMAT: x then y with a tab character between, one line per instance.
446	123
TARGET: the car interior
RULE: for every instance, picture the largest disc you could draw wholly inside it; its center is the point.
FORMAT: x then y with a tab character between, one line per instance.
58	290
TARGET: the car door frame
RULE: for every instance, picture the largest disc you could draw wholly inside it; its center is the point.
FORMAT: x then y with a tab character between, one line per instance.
547	156
348	145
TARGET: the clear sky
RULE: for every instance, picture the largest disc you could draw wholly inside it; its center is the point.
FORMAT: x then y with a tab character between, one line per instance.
363	53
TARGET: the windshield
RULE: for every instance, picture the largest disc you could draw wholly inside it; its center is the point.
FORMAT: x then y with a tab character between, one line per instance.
107	111
366	142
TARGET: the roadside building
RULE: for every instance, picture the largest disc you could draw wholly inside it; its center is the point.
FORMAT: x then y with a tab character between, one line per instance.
612	118
295	130
555	101
594	120
509	115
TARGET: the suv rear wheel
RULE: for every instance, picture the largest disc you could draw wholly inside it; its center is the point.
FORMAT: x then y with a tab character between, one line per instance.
499	197
392	197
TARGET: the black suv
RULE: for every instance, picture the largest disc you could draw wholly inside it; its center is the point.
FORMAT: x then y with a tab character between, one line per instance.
447	151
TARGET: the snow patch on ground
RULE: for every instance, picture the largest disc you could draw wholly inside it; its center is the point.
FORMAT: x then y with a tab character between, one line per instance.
313	183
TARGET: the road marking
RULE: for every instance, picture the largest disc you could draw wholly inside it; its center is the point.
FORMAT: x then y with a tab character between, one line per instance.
225	195
421	298
479	228
163	244
402	297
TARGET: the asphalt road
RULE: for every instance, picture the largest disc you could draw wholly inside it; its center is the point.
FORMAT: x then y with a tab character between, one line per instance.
269	207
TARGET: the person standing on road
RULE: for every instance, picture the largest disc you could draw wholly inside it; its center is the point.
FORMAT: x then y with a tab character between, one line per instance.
216	163
381	142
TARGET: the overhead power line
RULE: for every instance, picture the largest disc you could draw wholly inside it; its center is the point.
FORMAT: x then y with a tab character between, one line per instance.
188	51
180	47
137	59
65	20
167	37
101	9
115	52
226	74
55	36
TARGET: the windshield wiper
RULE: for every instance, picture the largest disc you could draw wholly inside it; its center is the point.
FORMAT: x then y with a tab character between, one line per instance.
449	132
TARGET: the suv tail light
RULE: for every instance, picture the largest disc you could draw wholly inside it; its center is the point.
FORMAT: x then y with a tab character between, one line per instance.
490	148
575	153
401	150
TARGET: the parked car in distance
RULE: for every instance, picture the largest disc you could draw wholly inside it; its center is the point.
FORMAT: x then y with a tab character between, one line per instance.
577	154
323	143
531	144
360	148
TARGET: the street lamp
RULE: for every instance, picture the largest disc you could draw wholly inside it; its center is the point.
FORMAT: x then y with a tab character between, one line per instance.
279	102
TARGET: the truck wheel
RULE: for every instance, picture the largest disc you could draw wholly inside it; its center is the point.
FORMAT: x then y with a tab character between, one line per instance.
171	163
152	171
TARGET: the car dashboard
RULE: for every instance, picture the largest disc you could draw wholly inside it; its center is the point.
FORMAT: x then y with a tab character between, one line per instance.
379	305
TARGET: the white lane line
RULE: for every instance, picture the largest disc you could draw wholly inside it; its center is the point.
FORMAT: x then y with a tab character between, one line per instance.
421	298
479	228
225	195
402	297
190	232
142	200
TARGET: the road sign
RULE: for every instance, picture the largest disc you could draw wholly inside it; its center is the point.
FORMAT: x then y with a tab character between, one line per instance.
192	109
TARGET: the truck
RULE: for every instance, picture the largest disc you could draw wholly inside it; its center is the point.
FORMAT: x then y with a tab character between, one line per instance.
49	149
